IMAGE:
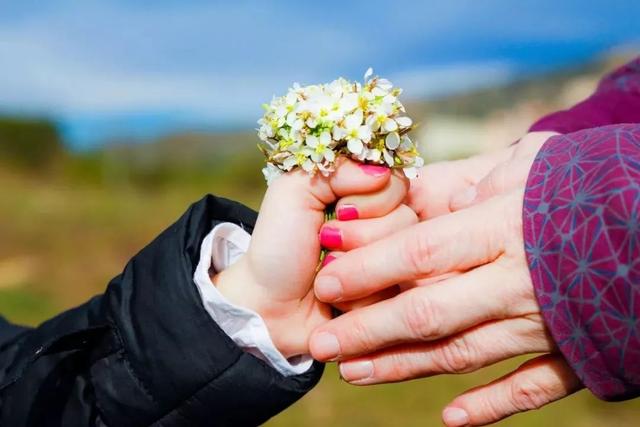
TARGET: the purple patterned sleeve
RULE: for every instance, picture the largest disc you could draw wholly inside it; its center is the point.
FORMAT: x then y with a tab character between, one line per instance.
616	101
582	238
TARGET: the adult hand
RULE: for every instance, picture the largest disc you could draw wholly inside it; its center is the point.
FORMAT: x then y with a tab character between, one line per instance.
484	312
275	276
445	187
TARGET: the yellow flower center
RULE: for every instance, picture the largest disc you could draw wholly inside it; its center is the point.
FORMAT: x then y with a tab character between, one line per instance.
285	143
363	103
300	158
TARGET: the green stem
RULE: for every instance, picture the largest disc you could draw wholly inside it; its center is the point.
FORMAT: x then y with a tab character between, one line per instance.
329	214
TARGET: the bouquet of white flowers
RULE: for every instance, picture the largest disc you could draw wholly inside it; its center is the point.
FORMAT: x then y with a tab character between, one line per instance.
311	126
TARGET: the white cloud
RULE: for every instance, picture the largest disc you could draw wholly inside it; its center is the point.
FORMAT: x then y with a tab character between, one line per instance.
218	61
460	77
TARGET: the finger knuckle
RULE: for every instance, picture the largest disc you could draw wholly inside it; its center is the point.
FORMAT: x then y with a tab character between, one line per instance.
360	335
527	394
456	356
421	318
418	252
495	181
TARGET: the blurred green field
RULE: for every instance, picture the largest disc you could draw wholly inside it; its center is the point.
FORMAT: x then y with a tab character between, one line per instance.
68	223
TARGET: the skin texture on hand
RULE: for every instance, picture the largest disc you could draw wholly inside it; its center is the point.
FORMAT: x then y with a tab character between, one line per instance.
486	313
275	277
445	187
470	301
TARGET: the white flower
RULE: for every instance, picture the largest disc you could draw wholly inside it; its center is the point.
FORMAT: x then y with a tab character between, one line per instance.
354	131
368	74
294	121
271	172
405	143
349	102
380	118
312	125
411	173
322	149
392	141
404	122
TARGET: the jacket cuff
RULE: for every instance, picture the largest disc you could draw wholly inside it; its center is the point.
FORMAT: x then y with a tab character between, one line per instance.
581	190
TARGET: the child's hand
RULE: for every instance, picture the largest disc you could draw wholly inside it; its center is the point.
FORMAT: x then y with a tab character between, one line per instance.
275	277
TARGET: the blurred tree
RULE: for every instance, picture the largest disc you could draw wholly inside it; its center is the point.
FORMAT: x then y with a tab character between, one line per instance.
33	144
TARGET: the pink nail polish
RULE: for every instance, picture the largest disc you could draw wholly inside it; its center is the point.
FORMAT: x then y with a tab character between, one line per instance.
347	213
331	237
327	259
374	170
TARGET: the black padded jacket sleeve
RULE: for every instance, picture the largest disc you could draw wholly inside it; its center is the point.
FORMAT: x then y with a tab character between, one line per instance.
145	352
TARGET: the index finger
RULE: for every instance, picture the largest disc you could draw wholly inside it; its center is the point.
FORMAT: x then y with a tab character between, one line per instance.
453	242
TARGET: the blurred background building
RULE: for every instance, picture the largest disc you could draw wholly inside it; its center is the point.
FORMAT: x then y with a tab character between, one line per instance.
114	116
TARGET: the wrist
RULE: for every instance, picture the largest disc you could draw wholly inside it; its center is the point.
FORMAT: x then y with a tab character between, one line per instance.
238	285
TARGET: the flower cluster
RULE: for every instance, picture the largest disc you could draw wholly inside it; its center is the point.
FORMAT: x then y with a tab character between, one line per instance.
311	126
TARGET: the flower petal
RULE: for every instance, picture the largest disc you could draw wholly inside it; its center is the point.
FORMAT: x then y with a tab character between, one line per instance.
289	163
368	74
388	158
329	155
374	155
355	146
406	143
312	141
316	157
404	122
338	133
392	141
325	138
410	173
384	84
308	166
390	125
364	132
354	120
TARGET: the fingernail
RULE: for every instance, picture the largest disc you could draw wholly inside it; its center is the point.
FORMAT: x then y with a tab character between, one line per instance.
325	346
374	170
466	197
347	213
331	237
327	259
455	417
328	288
356	371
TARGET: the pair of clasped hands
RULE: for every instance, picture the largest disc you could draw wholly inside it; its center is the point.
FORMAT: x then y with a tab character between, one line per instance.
431	276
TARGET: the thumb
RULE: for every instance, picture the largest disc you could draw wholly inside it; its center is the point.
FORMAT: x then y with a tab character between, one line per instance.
504	177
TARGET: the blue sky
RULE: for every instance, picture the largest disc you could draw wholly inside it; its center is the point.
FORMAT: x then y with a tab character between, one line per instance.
144	68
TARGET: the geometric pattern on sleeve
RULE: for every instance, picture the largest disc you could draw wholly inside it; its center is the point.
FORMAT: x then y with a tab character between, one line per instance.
582	238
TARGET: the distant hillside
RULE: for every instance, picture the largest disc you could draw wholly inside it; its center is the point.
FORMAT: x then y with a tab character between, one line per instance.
447	127
489	118
450	126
